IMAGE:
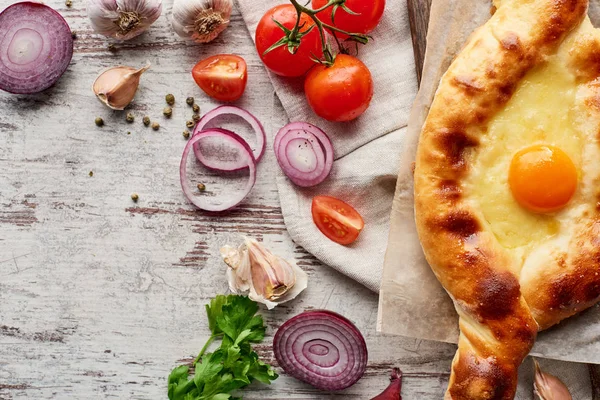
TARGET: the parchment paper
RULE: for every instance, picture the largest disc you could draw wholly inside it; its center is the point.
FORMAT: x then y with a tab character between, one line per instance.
412	302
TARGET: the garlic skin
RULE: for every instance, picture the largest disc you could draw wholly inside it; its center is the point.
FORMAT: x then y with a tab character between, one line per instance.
268	279
549	387
123	19
201	20
116	87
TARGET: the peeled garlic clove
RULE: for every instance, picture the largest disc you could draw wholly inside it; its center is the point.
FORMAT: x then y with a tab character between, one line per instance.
201	20
272	276
116	86
549	387
267	278
123	19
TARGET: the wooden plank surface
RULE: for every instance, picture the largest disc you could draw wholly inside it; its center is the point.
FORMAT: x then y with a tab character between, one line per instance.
101	297
418	14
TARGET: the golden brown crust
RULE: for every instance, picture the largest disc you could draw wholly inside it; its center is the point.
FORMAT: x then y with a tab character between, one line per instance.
569	281
497	326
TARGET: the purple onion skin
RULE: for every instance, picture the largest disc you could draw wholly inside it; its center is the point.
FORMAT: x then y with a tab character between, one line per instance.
393	391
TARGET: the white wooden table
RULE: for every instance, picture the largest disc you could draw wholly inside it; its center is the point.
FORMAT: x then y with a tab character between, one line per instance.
101	297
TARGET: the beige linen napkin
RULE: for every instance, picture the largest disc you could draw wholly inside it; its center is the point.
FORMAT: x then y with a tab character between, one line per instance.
366	150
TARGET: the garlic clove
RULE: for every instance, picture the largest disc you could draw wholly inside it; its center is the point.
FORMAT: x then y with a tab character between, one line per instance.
272	276
549	387
117	86
267	278
239	273
123	19
201	20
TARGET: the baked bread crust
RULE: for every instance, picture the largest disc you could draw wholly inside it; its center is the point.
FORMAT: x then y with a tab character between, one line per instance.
503	303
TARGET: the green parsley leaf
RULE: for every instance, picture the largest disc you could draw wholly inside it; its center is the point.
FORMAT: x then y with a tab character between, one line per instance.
214	309
234	365
210	367
238	316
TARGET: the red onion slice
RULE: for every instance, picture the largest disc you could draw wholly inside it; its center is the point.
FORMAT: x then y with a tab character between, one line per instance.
36	47
226	202
304	153
261	137
321	348
228	160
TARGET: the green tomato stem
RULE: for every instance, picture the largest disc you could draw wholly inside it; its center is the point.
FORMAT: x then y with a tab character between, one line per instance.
329	58
312	14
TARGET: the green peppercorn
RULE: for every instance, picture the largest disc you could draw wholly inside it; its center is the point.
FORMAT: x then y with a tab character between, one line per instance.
91	174
186	134
170	99
68	3
196	108
130	118
201	187
190	101
135	197
111	47
129	133
74	35
190	124
146	120
155	126
168	112
99	121
196	118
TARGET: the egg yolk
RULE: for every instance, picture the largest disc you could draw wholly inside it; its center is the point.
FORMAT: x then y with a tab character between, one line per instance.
542	178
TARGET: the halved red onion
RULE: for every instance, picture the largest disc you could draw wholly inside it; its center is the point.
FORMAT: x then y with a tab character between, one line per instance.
261	137
304	153
321	348
226	201
36	47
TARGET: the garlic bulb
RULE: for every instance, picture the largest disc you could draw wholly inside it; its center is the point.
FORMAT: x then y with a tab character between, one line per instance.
201	20
123	19
549	387
116	86
269	279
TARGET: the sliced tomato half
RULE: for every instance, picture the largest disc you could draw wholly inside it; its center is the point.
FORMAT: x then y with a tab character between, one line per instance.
222	77
337	220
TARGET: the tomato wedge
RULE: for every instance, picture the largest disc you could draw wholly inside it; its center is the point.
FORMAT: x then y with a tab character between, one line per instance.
222	77
337	220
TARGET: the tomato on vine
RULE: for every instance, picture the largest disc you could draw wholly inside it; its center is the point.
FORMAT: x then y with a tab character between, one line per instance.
283	53
338	88
361	16
340	92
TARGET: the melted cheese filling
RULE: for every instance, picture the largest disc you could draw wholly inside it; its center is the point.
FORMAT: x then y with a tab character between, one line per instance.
541	111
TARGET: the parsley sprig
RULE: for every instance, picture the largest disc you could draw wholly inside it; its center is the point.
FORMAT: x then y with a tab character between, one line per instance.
234	364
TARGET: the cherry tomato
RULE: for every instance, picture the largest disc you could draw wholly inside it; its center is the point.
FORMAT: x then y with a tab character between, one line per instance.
370	14
222	77
341	92
280	60
336	219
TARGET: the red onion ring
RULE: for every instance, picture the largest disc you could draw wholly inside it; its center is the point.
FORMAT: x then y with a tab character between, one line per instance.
36	47
304	153
261	137
321	348
223	165
245	152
